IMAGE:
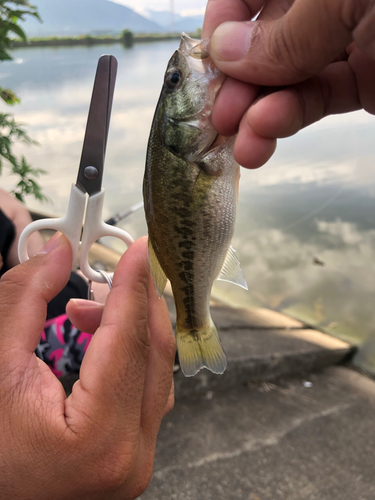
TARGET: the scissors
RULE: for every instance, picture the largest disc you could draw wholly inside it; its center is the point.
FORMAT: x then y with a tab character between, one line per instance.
87	195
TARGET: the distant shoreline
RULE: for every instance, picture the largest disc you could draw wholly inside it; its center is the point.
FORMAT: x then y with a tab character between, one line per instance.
97	40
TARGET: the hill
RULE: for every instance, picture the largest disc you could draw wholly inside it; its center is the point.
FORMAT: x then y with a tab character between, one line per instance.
180	23
78	17
189	24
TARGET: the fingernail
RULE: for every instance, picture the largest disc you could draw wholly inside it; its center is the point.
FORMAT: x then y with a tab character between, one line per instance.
231	41
52	243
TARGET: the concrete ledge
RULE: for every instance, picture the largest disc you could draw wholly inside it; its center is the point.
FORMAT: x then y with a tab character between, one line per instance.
261	345
265	355
228	317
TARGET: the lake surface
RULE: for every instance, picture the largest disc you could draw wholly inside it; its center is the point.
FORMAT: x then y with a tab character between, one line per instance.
305	232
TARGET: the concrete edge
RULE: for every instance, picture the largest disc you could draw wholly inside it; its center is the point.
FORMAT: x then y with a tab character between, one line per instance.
249	369
259	368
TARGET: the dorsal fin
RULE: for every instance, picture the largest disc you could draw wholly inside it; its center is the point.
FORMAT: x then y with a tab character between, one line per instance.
231	270
158	274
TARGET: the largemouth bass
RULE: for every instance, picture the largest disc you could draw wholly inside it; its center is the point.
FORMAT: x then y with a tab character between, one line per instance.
190	193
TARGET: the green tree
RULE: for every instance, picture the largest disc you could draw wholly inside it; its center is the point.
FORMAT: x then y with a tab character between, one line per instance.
11	13
127	38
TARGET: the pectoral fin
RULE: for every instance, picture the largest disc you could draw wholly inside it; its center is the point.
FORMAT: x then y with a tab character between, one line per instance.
201	188
158	274
231	270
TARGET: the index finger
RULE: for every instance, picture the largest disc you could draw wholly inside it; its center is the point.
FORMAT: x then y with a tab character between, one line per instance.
221	11
113	370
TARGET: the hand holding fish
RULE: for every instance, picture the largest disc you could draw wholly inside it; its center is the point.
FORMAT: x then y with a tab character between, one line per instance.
300	61
99	442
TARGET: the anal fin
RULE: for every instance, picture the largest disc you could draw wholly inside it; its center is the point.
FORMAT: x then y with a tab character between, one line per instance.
231	270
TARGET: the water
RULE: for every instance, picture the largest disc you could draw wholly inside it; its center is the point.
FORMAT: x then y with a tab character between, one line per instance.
305	230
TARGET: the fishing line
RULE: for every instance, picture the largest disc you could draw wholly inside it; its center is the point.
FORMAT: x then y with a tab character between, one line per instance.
314	212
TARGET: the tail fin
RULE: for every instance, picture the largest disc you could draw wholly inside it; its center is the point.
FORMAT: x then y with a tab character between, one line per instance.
201	349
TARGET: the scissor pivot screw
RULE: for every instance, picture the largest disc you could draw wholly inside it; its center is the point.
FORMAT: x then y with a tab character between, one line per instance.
91	173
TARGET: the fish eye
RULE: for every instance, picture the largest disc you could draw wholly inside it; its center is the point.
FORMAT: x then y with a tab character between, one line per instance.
173	78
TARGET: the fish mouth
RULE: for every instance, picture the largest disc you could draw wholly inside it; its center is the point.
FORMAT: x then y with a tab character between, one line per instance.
193	47
197	55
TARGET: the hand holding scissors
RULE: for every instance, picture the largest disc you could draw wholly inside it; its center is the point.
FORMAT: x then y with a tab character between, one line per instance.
82	212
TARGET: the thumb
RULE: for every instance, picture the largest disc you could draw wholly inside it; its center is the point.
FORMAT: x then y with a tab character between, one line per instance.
290	49
25	291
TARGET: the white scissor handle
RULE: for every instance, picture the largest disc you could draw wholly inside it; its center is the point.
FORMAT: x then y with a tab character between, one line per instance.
94	229
70	225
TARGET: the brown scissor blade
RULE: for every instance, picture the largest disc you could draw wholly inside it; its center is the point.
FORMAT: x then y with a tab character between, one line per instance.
90	172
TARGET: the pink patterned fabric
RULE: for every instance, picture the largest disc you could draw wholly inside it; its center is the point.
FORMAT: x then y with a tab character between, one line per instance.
62	346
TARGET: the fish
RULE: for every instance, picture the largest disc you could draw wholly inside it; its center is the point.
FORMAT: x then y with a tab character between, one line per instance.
190	192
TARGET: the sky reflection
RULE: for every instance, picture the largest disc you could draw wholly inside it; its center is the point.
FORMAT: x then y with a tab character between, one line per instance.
305	231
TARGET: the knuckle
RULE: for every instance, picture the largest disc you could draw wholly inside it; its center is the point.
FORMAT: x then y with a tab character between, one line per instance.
135	350
286	51
169	347
278	10
13	286
17	276
138	288
285	5
314	96
141	285
165	344
349	12
363	33
140	339
324	92
141	332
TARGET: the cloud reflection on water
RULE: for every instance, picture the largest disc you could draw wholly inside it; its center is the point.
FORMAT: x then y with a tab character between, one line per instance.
313	200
